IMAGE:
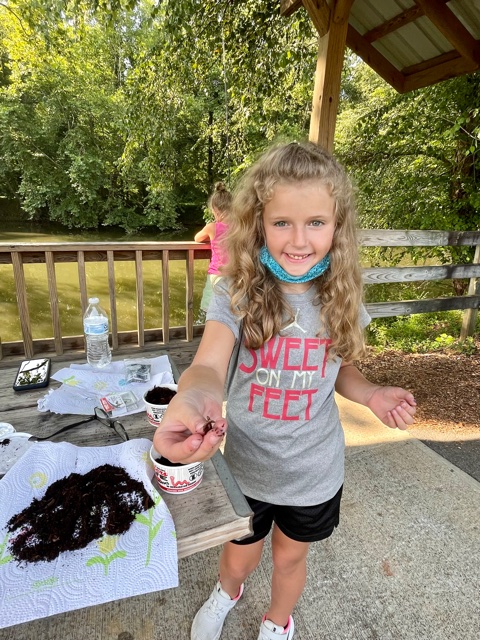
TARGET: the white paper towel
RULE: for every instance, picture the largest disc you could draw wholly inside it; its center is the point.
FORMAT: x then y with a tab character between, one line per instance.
142	560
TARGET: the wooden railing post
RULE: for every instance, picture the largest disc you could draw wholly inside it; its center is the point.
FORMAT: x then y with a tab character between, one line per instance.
140	310
113	299
189	295
19	277
165	297
54	307
470	315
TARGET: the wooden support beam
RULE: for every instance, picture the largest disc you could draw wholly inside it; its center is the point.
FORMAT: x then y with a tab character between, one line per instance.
326	95
442	71
463	59
341	10
452	28
405	17
400	20
433	62
374	59
287	7
319	13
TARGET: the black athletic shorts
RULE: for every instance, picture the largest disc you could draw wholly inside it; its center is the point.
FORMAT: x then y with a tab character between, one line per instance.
304	524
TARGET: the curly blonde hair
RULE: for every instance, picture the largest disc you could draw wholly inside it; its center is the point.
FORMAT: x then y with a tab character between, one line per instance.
256	295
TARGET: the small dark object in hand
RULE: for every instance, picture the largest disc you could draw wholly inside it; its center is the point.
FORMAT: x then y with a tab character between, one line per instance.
160	395
208	426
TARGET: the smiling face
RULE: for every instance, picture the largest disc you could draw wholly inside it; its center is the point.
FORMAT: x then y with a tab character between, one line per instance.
299	223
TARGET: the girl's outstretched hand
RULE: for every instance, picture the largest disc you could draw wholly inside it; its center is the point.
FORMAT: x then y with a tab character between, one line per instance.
394	406
191	430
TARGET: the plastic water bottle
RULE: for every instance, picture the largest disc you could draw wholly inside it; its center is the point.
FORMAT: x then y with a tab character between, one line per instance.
95	327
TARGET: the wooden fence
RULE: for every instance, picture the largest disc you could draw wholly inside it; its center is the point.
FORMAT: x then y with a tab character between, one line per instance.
469	302
81	253
17	255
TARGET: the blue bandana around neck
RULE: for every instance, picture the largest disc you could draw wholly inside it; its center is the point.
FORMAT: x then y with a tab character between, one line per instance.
280	273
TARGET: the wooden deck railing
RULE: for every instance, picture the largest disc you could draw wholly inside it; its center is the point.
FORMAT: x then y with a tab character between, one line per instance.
110	252
469	302
51	254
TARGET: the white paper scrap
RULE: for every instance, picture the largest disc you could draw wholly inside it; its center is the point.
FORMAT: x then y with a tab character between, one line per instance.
83	386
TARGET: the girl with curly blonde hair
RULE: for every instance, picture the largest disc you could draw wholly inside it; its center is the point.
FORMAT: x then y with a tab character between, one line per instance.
256	292
282	330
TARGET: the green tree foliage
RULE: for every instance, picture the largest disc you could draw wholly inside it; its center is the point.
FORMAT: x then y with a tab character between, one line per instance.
60	119
414	156
125	113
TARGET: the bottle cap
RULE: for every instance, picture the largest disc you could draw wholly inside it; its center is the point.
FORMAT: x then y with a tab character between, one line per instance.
93	300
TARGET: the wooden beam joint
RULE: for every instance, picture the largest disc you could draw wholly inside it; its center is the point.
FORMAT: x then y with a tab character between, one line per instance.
319	12
443	18
287	7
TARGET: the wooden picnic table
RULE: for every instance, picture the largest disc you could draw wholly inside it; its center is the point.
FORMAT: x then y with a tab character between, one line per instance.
218	495
213	513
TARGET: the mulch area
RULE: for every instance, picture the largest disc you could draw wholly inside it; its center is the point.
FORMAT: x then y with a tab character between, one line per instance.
446	387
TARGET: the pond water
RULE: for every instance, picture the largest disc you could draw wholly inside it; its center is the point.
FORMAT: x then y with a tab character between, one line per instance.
97	283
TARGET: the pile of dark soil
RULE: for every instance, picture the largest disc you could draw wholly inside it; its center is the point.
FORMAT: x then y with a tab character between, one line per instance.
160	395
76	510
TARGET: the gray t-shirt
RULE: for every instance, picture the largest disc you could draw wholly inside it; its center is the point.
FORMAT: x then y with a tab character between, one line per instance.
284	443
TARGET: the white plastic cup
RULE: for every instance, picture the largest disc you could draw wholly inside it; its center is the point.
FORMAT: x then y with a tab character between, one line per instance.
155	412
175	477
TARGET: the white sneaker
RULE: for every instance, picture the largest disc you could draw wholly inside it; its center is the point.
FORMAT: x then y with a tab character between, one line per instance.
208	623
270	631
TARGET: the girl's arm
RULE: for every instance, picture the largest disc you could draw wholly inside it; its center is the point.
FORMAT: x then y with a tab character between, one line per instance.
206	234
394	406
180	436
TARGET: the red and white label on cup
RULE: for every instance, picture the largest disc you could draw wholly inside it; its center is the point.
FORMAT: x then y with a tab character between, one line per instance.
176	478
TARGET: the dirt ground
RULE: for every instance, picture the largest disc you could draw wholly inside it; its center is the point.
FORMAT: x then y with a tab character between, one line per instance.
446	387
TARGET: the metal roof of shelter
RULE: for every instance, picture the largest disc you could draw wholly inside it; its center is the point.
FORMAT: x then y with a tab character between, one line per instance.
409	43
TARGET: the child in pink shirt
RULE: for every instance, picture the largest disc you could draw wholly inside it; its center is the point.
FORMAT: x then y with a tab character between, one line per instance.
214	232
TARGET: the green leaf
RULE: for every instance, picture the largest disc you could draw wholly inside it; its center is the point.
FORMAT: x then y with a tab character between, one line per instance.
96	560
142	519
156	528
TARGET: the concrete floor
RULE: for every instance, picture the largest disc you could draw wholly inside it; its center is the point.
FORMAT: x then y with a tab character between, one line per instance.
404	564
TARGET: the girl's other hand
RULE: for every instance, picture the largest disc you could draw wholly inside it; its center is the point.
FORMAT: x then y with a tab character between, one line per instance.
394	406
182	437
